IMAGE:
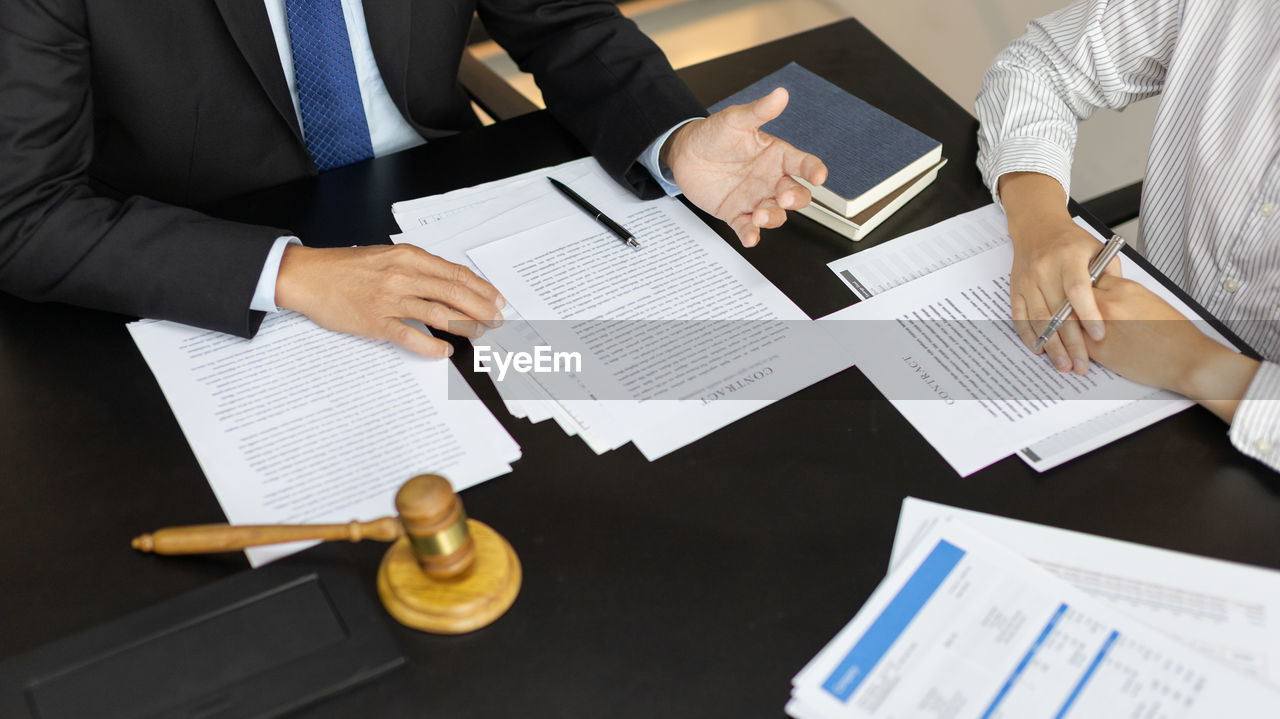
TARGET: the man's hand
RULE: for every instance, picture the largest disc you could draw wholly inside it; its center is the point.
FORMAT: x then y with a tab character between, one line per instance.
1051	256
728	167
369	291
1150	342
1052	262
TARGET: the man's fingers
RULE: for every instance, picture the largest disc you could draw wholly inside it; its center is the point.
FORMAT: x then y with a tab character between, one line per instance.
1079	289
1039	314
1109	283
1072	338
415	340
458	296
432	278
1113	268
1058	354
768	107
1021	322
477	284
441	317
791	194
803	165
768	214
747	232
430	264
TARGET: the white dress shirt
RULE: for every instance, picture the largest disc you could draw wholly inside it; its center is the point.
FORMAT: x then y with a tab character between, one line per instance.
388	130
1211	198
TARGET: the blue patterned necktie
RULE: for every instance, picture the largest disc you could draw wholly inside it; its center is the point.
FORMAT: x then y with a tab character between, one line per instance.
333	122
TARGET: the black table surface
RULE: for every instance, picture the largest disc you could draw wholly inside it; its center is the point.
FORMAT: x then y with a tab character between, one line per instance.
693	586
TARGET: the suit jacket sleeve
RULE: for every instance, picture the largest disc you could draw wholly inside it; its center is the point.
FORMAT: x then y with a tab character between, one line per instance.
600	76
60	240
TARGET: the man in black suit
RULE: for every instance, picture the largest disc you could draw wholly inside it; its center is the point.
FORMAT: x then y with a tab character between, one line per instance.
115	115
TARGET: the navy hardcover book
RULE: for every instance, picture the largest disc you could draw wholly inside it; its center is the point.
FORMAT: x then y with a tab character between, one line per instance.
868	153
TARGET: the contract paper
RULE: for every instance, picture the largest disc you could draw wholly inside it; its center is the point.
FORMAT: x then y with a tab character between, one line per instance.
965	628
450	213
450	235
943	349
1227	610
699	315
449	224
885	266
304	425
680	337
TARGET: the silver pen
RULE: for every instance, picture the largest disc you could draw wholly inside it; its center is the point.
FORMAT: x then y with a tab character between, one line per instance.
1099	263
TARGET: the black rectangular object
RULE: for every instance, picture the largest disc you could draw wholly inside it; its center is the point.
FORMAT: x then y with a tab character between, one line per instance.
258	644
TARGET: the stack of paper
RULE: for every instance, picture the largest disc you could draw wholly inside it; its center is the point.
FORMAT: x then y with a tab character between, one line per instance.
962	626
933	333
661	344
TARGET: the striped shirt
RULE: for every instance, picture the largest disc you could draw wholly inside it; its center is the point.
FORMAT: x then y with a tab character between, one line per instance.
1211	198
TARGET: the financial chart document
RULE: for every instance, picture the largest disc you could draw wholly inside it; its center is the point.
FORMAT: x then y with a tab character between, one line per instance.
964	627
916	254
1228	610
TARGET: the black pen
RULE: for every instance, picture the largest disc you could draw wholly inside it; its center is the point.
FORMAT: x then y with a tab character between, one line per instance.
614	227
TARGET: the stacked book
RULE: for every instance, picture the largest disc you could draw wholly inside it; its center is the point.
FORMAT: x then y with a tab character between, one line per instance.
875	162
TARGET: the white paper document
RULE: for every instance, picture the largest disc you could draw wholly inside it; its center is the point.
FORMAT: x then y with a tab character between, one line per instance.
446	215
1102	429
916	254
452	224
679	337
943	349
1228	610
890	264
964	628
304	425
561	399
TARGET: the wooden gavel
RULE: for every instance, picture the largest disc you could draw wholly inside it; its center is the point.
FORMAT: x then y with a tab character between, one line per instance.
430	515
444	573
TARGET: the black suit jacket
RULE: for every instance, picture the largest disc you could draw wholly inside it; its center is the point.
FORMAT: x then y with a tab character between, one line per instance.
114	114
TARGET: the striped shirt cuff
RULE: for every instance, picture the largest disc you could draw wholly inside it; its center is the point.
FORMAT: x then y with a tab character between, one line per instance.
1255	429
1026	154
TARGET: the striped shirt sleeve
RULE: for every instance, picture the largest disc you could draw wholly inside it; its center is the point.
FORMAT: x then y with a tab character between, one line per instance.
1255	429
1092	54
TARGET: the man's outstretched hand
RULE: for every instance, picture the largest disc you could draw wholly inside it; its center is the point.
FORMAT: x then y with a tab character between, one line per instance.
729	168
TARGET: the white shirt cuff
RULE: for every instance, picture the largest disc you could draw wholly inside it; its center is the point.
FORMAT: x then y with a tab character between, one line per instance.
650	158
264	297
1255	429
1026	154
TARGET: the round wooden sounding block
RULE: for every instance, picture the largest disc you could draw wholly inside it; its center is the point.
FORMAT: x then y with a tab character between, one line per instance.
449	574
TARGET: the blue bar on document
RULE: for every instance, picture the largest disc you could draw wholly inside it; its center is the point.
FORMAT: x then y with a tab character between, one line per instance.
1097	660
1026	659
887	627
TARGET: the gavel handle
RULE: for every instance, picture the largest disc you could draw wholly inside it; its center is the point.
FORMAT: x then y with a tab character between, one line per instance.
214	538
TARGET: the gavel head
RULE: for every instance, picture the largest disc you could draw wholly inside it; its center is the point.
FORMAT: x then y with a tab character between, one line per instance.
436	526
